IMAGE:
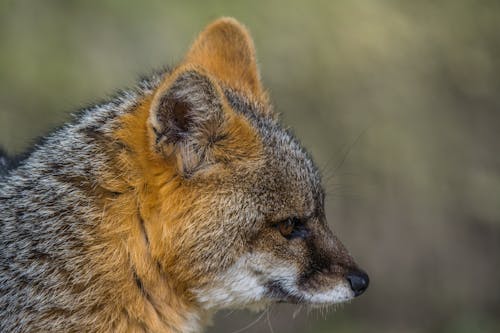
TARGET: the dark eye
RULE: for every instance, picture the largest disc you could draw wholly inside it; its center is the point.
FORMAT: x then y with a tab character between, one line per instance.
292	228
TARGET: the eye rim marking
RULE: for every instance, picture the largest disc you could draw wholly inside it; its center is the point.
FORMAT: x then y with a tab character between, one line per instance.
292	227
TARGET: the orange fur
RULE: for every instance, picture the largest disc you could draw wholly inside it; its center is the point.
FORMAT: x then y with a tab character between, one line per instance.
151	190
226	50
122	251
241	141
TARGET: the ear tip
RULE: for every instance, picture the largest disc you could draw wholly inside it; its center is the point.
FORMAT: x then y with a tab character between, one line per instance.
228	23
227	20
226	50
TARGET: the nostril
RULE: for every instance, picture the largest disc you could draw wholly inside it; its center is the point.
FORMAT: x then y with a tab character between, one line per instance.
359	282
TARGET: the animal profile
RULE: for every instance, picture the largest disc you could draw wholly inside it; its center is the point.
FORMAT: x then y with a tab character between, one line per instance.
171	201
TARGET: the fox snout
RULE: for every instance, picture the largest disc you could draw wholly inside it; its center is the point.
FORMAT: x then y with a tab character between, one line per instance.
299	262
357	278
328	272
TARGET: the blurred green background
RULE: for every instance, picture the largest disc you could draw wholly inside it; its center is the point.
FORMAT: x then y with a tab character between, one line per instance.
398	101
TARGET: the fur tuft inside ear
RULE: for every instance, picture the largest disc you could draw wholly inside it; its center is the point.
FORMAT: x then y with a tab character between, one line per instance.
187	118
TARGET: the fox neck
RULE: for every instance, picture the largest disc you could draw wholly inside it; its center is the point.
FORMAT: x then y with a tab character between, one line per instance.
152	298
153	304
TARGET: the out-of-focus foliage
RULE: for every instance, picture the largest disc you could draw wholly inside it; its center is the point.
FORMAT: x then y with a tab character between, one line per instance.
399	102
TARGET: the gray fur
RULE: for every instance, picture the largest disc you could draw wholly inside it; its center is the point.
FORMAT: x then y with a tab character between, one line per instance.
48	204
44	224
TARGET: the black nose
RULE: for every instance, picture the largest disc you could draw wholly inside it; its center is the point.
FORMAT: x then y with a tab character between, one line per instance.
359	282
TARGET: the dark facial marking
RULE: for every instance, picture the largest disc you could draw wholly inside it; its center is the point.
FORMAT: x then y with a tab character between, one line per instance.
318	261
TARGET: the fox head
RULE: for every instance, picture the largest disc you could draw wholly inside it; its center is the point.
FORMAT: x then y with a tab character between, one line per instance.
232	205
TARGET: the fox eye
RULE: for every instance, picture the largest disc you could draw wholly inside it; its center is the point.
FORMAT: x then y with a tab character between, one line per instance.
292	228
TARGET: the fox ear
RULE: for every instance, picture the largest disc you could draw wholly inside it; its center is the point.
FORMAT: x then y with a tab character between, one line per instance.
226	50
187	118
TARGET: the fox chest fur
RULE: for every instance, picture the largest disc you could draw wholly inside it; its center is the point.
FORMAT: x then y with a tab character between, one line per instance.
175	199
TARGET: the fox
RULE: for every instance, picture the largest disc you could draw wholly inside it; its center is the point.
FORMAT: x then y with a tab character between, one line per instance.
175	199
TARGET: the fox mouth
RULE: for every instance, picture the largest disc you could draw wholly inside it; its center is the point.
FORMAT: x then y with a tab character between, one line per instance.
345	290
279	294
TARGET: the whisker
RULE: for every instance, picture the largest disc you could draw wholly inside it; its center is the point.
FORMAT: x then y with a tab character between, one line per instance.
269	320
297	311
251	324
332	173
229	313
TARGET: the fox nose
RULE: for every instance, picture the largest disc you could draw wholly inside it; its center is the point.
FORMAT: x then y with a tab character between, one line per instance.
359	282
